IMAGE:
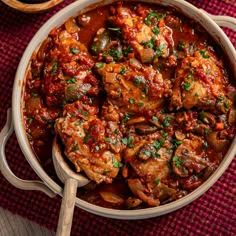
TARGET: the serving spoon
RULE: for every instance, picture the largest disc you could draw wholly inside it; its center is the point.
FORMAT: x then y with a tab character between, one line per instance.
72	181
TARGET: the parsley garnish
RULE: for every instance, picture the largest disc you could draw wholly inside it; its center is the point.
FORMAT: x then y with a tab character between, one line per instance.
74	50
99	65
177	161
203	54
86	138
154	118
156	181
71	81
54	66
166	121
131	100
115	163
187	86
123	70
176	142
156	31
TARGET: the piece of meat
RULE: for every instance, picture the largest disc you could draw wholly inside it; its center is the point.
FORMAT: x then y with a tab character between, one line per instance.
189	157
138	89
200	83
146	33
91	144
67	71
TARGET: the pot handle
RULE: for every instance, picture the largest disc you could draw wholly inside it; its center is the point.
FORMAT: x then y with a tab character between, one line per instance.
5	169
227	21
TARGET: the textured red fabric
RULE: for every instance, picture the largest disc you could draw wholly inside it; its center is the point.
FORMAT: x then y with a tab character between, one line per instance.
212	214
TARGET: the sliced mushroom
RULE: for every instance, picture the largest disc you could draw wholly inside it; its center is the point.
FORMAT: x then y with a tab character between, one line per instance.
100	41
132	202
209	119
111	197
218	144
71	26
179	135
232	116
145	129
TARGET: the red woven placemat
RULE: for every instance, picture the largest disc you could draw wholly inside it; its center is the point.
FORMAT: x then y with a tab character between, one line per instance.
212	214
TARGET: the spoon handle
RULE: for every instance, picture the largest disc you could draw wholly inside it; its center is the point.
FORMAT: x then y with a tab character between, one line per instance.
67	208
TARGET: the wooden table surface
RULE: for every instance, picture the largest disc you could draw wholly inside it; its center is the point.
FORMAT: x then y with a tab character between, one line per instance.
14	225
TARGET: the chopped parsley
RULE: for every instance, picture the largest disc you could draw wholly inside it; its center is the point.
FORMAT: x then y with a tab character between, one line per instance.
156	181
138	80
74	50
126	118
131	100
107	139
30	119
54	66
127	50
123	70
153	17
164	134
71	81
159	51
154	119
115	163
181	45
203	54
156	31
158	144
86	138
128	141
99	65
226	104
204	144
190	76
206	131
176	142
74	148
166	121
115	53
177	161
187	86
106	172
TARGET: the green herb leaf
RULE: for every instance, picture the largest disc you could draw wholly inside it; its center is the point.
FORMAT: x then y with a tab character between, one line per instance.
203	54
71	81
187	86
177	161
156	181
154	119
176	142
107	139
74	50
131	100
86	138
74	148
106	172
54	66
156	31
30	119
123	70
166	121
164	135
99	65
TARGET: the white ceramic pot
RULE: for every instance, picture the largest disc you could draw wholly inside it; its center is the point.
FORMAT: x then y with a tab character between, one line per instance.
15	121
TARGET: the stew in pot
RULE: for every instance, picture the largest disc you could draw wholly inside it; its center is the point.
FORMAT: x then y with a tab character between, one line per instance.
140	98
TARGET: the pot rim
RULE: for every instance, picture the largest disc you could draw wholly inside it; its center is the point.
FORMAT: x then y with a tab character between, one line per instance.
18	88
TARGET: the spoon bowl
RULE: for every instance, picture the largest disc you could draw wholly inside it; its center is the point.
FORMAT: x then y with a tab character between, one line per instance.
72	181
